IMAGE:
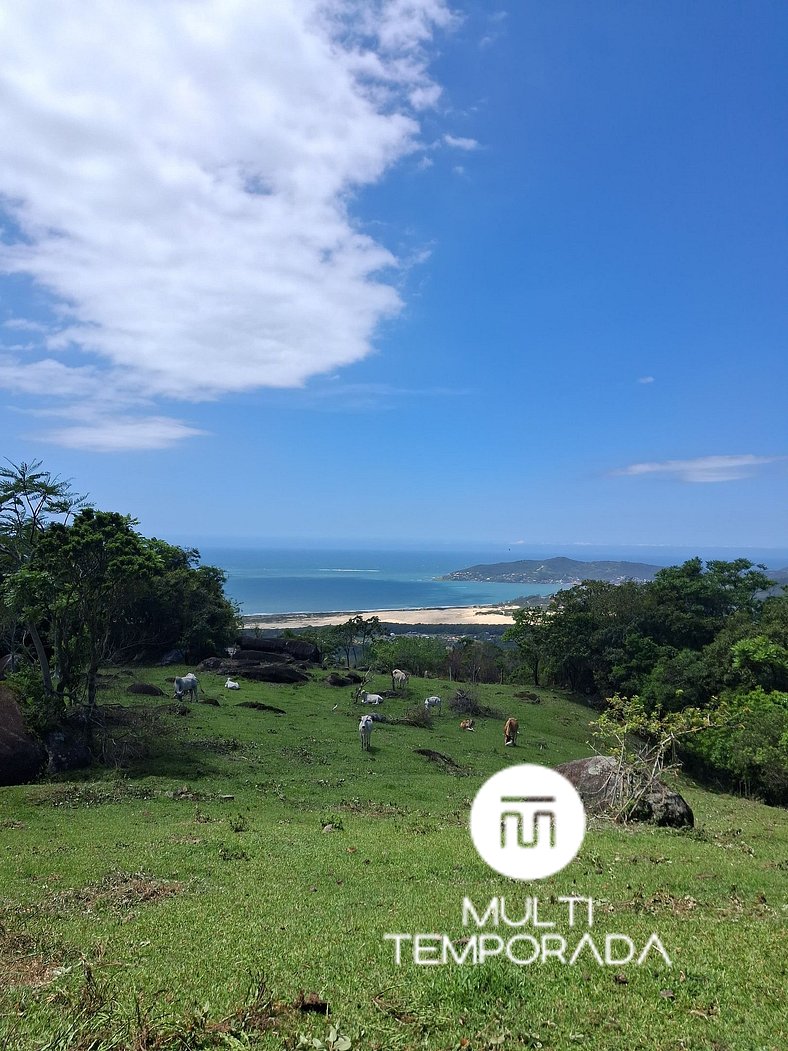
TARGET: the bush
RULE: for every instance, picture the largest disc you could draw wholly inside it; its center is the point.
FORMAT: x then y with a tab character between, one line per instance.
464	702
42	711
418	715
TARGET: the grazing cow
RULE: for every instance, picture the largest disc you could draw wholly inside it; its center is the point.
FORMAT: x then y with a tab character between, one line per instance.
510	731
467	724
187	684
399	679
365	732
432	702
230	685
370	698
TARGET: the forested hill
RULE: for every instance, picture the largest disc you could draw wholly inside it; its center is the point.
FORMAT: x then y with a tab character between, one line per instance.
555	571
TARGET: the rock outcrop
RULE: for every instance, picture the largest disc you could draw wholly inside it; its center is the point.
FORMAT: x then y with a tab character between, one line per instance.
605	789
21	755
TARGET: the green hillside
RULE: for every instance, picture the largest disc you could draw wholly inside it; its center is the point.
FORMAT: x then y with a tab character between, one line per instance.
190	895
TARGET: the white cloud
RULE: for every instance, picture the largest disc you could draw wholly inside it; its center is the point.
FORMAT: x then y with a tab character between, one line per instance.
181	174
123	433
457	142
646	379
702	469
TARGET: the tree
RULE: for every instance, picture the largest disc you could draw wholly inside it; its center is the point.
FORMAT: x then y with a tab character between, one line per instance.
30	499
183	606
356	633
528	635
87	574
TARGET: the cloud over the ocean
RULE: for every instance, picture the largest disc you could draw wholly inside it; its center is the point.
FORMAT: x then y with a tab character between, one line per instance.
177	177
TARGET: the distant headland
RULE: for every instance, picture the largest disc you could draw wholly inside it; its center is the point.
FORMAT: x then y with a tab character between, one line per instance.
555	571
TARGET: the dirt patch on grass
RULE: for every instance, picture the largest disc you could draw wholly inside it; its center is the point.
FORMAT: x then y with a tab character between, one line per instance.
22	963
119	892
444	762
260	707
303	755
74	796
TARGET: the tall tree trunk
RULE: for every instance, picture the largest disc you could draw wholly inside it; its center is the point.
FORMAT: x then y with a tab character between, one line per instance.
41	654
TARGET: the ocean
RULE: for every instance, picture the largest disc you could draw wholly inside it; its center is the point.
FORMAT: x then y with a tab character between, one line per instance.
313	580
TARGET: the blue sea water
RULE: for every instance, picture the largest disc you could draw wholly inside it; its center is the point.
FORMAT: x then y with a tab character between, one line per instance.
313	580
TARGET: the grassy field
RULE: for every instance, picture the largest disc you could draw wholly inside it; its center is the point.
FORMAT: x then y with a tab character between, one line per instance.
193	897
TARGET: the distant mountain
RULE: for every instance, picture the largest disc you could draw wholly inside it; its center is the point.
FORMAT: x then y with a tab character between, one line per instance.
556	571
779	576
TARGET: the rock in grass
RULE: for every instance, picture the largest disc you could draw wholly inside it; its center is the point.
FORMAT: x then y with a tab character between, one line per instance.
21	757
605	790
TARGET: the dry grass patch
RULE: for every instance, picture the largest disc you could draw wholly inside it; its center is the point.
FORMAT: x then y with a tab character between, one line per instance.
120	892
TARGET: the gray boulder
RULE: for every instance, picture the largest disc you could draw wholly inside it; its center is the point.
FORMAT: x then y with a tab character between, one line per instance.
276	673
605	790
21	756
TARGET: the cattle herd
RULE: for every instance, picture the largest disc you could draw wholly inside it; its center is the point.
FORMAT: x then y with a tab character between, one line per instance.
187	686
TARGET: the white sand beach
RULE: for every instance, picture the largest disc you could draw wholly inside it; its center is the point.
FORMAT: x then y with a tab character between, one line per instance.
497	614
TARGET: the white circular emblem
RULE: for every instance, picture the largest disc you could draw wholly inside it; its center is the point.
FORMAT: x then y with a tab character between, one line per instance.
527	821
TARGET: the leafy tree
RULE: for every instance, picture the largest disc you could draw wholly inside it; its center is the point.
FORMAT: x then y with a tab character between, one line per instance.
30	499
416	655
753	748
528	634
86	573
356	634
183	606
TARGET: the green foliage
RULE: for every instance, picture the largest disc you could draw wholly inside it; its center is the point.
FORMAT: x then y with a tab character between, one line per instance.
753	748
41	709
184	606
417	656
692	638
335	1041
644	743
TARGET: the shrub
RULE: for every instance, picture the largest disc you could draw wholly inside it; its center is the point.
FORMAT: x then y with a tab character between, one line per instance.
42	711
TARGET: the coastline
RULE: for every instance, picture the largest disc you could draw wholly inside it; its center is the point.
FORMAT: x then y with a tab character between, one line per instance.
499	613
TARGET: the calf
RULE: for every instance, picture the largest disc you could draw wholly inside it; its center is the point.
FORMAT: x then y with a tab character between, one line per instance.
370	698
467	724
365	732
510	731
187	684
230	685
432	702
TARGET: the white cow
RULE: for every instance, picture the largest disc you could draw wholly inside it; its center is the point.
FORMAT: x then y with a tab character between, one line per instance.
187	684
370	698
399	679
365	732
432	702
230	685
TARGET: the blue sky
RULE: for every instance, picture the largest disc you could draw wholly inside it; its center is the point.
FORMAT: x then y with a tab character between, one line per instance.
402	270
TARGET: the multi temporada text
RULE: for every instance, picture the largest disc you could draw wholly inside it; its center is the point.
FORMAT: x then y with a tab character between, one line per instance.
541	945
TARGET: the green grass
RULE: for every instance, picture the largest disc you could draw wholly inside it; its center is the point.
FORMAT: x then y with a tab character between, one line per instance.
140	910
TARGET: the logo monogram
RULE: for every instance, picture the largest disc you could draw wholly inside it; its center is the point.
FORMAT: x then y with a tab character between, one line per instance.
527	822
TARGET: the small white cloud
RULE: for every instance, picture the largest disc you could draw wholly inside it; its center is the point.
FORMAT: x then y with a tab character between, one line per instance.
458	169
646	379
122	434
457	142
702	469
